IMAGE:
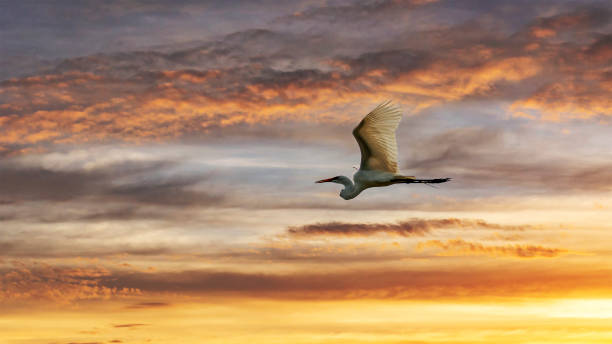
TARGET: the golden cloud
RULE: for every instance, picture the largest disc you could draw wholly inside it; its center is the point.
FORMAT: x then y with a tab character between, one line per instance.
569	99
461	247
404	228
57	284
62	285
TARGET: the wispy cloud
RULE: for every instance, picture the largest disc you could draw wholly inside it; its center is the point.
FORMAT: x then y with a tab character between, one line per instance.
376	283
58	284
412	227
484	157
123	181
147	305
129	325
462	247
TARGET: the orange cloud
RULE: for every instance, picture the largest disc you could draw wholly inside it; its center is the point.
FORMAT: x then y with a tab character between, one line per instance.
148	305
380	282
102	98
169	110
188	102
581	88
58	284
569	99
128	325
540	32
404	228
445	82
470	280
462	247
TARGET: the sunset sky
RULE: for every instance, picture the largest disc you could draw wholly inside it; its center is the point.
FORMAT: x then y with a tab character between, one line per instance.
158	159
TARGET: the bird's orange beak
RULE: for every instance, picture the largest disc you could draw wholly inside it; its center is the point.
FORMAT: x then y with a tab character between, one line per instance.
324	180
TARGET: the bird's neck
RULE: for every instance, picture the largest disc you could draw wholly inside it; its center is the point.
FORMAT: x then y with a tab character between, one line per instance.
350	190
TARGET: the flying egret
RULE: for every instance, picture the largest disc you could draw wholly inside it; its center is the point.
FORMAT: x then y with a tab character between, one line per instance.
375	135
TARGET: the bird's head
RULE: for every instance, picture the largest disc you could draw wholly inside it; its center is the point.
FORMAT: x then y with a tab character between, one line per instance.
335	179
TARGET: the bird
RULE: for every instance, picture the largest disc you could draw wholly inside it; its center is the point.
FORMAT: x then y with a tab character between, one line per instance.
375	135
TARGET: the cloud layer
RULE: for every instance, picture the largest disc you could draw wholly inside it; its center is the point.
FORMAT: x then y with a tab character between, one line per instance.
550	66
470	282
413	227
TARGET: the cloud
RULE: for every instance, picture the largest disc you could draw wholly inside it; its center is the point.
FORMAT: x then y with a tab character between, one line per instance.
377	283
147	305
257	78
191	103
129	325
362	11
461	247
412	227
485	157
124	181
523	277
44	282
601	49
581	82
575	97
581	18
173	108
115	26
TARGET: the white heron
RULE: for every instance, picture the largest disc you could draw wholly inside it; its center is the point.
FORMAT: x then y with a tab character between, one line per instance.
375	135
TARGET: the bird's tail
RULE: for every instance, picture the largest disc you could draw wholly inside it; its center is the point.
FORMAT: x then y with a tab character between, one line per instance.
410	180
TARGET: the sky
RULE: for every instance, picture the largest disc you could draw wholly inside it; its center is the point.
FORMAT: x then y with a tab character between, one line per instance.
158	159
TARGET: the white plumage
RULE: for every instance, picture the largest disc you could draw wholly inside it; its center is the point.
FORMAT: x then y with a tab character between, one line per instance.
375	135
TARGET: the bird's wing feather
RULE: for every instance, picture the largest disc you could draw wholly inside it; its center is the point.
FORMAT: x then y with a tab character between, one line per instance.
375	135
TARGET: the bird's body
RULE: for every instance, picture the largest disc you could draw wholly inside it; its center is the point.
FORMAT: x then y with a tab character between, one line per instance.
375	135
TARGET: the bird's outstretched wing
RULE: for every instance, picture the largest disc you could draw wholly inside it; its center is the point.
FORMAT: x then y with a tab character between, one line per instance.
376	137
